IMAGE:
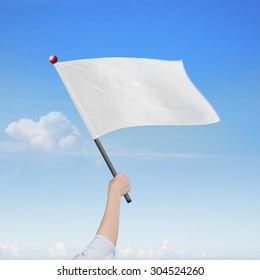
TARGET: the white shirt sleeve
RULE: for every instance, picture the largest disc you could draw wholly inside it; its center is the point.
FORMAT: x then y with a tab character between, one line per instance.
99	249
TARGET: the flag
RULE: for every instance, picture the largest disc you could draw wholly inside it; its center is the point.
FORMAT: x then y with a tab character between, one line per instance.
114	93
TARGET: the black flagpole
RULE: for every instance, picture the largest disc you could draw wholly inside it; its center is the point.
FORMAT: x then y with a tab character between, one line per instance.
109	164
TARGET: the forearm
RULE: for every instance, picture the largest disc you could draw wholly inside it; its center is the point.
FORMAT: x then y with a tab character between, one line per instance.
109	226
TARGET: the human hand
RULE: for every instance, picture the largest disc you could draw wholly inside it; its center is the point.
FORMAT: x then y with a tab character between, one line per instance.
119	185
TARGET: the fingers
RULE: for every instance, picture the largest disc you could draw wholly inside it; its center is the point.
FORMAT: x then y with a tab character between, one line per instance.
120	183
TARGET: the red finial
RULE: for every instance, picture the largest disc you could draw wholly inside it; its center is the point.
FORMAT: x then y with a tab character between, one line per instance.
53	59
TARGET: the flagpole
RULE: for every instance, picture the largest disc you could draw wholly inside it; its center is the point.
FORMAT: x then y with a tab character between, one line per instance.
109	164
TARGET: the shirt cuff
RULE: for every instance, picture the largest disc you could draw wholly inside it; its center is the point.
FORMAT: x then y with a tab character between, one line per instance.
100	248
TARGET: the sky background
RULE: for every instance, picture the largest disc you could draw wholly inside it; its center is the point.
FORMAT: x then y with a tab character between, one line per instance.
195	190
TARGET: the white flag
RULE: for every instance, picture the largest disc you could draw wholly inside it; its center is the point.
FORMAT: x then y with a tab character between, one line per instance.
114	93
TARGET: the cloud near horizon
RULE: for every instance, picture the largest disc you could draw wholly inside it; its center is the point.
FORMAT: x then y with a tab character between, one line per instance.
58	250
163	252
9	251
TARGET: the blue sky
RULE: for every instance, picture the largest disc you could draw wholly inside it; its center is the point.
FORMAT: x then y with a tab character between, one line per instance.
195	190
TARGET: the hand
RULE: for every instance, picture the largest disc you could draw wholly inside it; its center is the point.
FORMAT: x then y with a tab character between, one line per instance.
119	184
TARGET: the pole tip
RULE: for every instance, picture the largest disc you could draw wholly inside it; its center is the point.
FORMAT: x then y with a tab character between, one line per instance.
53	59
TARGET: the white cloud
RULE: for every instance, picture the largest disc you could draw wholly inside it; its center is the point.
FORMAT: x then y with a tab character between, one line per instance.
126	252
58	250
164	251
67	142
52	132
182	252
9	251
202	255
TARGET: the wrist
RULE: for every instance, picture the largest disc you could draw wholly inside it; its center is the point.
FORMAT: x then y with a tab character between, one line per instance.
114	193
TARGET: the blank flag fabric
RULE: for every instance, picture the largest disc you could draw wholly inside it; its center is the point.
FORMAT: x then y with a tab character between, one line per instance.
114	93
